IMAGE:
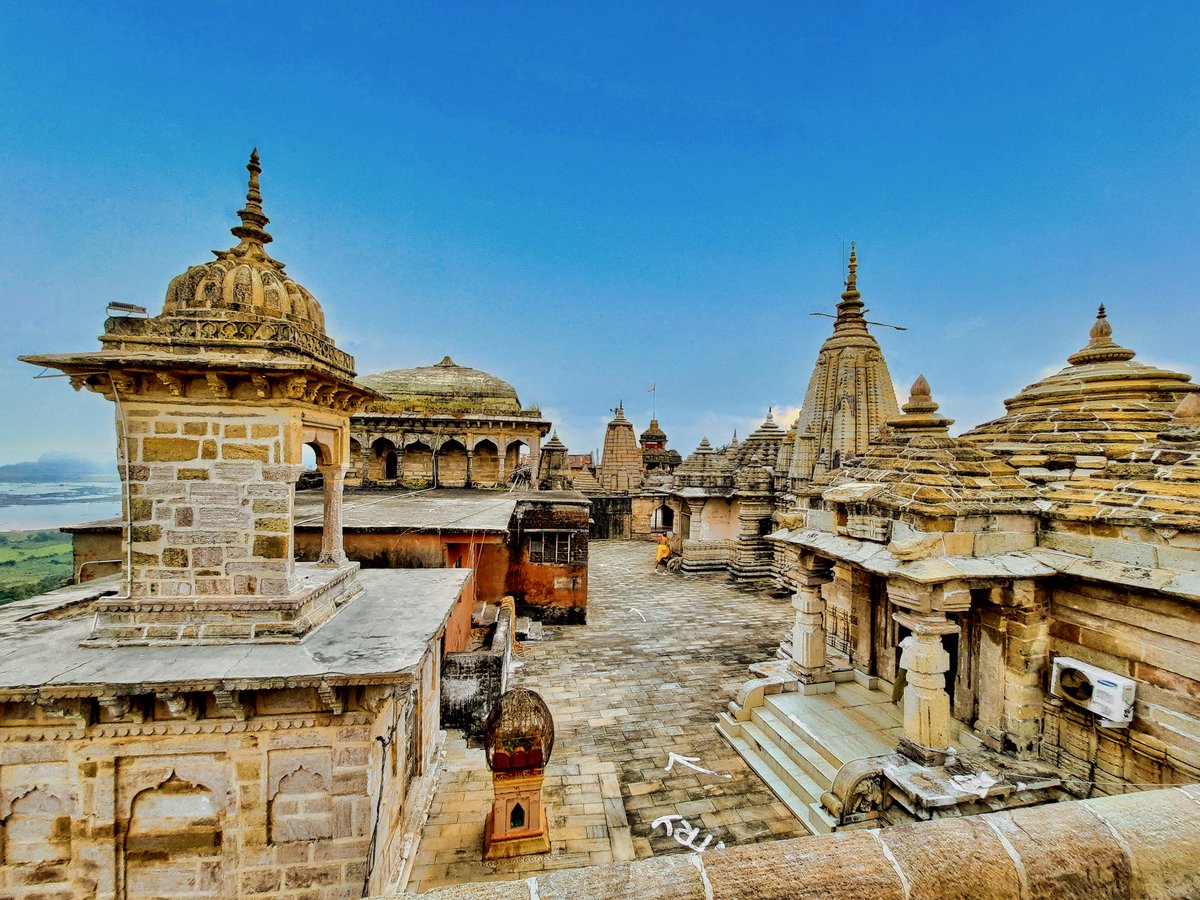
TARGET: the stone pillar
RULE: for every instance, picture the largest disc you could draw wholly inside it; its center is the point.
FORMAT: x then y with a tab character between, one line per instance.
926	703
535	463
1027	645
332	553
694	518
470	460
501	468
364	460
808	632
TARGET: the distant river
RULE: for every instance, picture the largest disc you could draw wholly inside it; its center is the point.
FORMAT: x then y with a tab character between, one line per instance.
25	506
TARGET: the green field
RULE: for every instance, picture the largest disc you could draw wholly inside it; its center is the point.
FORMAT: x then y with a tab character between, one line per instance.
32	562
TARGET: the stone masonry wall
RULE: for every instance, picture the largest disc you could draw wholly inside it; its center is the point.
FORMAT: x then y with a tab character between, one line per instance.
210	499
1151	638
281	802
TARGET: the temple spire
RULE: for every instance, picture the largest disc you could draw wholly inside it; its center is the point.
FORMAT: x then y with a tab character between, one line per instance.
254	220
851	303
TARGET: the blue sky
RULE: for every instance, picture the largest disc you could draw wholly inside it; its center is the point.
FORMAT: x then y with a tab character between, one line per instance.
587	199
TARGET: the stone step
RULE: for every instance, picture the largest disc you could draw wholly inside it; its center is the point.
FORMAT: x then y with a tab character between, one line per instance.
796	780
966	740
797	805
779	730
804	734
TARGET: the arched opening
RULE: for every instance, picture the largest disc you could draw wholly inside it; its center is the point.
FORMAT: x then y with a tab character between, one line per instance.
384	461
662	519
37	830
418	464
302	808
516	454
517	819
174	837
452	464
485	464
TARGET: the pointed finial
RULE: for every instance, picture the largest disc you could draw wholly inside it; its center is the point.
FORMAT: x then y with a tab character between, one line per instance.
851	305
770	412
1102	329
920	413
920	398
1100	347
254	220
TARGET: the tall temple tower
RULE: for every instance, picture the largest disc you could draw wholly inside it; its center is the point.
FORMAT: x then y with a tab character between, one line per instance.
621	465
850	395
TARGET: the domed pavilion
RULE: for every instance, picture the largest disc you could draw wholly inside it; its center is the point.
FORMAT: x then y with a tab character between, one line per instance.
444	425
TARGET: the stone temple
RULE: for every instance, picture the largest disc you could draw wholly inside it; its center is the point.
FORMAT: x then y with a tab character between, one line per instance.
890	661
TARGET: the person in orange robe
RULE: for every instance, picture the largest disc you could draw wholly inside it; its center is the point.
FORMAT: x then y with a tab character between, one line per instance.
662	555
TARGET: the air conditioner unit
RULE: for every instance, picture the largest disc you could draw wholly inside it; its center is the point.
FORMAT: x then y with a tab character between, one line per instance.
1108	695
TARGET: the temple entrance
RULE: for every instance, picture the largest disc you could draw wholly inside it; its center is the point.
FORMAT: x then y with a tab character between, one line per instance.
662	519
884	632
961	679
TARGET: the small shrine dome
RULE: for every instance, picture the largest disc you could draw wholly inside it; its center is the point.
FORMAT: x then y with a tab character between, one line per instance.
518	735
1102	406
245	280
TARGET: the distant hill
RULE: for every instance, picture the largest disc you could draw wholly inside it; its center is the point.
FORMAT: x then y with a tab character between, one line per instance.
57	467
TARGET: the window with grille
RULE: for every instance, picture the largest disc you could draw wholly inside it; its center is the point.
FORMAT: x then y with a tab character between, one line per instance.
550	547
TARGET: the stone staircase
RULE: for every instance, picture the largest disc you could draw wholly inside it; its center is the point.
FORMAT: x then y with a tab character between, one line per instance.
797	742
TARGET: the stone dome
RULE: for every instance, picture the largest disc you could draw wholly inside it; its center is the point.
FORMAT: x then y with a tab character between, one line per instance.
444	388
245	281
1102	406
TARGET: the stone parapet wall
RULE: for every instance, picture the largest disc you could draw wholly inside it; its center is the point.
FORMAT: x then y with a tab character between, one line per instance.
274	791
1112	848
706	556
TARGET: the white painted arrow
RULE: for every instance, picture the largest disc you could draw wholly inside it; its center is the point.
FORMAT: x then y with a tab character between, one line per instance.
690	762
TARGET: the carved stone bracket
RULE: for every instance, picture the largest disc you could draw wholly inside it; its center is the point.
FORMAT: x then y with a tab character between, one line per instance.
330	697
180	706
173	383
76	711
229	701
262	387
218	385
121	706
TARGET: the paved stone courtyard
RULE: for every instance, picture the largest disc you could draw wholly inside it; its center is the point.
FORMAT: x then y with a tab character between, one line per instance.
625	693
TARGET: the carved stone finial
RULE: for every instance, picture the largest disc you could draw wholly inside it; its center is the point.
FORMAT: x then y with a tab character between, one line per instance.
920	398
920	412
254	220
1101	347
850	306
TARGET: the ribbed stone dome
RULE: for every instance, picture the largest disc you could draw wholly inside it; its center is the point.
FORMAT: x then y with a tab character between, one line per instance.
444	388
245	280
1103	405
